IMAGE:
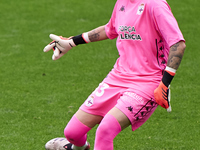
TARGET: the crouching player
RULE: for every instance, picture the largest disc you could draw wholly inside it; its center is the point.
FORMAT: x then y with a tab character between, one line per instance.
151	47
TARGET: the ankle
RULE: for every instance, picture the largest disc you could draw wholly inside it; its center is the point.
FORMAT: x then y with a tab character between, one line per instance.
84	147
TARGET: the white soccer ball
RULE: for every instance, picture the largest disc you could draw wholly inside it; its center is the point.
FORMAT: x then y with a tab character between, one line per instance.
58	144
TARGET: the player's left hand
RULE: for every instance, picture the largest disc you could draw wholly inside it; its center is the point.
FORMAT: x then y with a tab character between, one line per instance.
162	95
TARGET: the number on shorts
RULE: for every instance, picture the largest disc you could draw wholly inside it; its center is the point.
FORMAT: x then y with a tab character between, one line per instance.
100	90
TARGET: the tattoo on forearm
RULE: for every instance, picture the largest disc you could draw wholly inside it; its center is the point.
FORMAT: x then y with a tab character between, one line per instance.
94	36
174	47
175	57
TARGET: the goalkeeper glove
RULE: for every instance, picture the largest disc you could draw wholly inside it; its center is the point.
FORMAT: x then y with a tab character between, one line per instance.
60	45
162	92
161	95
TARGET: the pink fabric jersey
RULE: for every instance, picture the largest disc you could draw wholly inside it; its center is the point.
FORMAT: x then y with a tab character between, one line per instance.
145	30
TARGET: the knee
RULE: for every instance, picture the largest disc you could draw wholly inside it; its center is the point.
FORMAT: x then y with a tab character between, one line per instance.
68	134
106	132
75	130
72	132
103	129
109	127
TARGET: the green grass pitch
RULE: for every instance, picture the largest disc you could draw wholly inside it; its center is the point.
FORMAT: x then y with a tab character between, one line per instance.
38	96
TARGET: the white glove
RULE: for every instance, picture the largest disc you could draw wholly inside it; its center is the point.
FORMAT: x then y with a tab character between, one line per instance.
60	45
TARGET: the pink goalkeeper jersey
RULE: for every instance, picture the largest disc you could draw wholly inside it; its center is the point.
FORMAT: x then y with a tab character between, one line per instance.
145	30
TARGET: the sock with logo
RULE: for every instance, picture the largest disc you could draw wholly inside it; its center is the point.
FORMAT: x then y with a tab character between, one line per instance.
76	132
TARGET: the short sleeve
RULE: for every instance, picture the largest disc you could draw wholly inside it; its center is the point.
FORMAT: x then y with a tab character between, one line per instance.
110	28
167	25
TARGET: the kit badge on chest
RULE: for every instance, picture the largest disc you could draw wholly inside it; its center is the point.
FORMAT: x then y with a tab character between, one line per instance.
140	9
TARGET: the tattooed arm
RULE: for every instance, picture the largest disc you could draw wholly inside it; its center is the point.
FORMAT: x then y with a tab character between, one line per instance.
97	34
161	93
62	45
175	55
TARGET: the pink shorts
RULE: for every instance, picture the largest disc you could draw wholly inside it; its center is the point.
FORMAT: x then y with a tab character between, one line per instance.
105	97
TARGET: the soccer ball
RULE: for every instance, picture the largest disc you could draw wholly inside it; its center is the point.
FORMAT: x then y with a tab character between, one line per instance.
58	144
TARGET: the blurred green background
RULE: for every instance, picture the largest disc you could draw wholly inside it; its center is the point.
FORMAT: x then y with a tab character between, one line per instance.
38	96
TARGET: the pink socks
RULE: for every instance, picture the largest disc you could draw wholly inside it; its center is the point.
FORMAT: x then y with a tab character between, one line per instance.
76	132
106	132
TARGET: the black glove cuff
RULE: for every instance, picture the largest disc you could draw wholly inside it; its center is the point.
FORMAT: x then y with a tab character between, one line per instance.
78	40
167	78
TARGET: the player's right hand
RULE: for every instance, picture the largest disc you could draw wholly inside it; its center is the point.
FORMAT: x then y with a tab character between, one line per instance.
60	45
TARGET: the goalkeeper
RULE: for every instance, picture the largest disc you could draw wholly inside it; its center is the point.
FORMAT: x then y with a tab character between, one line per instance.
151	47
